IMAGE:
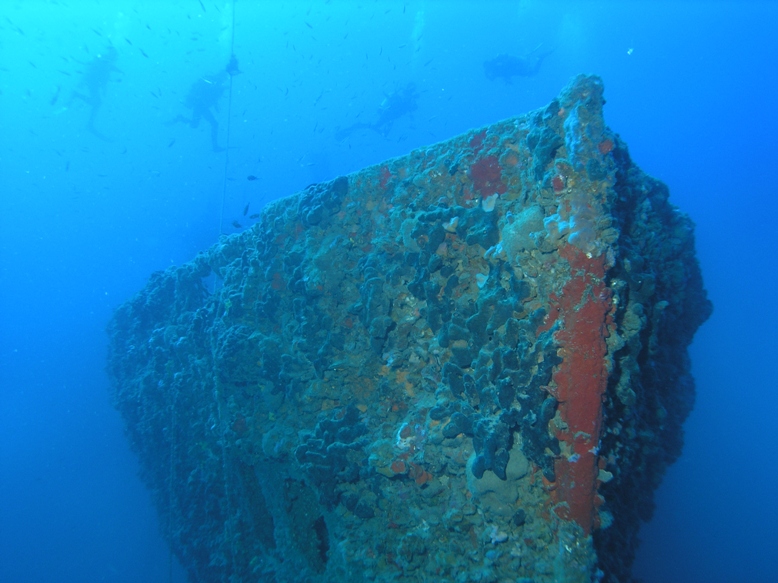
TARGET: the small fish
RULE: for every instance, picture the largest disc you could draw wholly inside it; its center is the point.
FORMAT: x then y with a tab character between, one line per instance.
251	177
67	165
142	52
309	26
13	26
254	216
56	96
237	225
129	42
173	141
202	5
246	210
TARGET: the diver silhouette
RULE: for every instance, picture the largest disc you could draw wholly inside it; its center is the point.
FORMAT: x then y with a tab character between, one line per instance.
508	66
95	80
205	94
396	105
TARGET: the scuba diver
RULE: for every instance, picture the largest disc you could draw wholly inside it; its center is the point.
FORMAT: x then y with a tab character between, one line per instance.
508	66
95	79
205	94
396	105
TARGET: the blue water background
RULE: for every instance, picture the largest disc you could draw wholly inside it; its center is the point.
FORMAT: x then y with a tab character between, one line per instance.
691	87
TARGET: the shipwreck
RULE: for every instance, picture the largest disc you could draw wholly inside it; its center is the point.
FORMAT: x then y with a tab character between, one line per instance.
464	364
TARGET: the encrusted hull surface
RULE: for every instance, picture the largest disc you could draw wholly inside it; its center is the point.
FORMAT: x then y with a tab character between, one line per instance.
466	364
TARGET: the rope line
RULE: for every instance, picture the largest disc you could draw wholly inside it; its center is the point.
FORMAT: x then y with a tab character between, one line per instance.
228	522
171	478
229	124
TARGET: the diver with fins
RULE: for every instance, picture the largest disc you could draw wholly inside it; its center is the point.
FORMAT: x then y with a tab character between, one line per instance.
396	105
95	80
205	94
507	66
